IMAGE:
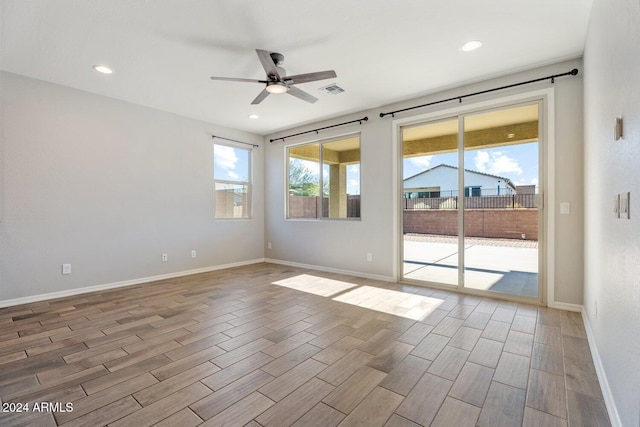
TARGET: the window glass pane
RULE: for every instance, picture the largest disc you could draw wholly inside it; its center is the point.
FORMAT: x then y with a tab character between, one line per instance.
230	163
324	179
304	181
340	162
232	181
231	200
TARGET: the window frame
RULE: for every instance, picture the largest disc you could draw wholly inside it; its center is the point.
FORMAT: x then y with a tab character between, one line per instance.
320	143
248	183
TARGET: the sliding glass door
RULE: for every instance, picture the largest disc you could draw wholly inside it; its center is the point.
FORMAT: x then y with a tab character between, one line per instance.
471	216
430	202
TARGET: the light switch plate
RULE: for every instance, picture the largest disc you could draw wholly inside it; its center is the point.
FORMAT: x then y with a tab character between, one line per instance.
617	129
565	208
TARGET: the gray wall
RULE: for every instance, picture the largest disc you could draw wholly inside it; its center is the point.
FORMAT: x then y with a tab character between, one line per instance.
612	246
342	245
108	186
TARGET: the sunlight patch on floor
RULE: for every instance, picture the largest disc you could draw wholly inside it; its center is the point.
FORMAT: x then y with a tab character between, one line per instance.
315	285
412	306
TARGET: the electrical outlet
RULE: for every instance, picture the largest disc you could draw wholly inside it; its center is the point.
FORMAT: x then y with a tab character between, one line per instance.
66	268
369	256
194	254
165	257
269	245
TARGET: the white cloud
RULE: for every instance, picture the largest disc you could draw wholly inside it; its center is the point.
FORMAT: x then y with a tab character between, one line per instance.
233	175
496	163
312	167
421	162
353	186
525	181
225	157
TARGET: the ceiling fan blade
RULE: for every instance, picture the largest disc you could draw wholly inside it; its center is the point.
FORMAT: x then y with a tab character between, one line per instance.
233	79
261	96
310	77
267	63
299	93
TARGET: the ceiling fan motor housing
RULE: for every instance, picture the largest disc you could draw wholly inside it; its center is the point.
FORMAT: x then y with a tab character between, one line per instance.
278	58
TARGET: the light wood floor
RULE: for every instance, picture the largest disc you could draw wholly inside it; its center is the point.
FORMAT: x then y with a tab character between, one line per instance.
269	345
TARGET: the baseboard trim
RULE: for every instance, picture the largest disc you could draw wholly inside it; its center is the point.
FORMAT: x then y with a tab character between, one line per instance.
609	402
332	270
138	281
578	308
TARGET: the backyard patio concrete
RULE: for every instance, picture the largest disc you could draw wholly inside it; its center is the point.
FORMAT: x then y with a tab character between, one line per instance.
498	265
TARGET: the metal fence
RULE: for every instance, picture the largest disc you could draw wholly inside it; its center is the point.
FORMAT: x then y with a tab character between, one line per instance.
513	201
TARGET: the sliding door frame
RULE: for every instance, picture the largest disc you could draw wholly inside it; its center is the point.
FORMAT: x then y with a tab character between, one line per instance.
546	218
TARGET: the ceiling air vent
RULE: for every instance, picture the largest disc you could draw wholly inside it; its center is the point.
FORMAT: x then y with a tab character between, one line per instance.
332	89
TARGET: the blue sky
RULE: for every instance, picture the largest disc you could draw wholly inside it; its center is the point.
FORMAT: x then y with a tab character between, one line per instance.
518	162
230	163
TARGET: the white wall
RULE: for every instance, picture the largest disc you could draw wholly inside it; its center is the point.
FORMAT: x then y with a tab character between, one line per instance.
446	179
612	246
343	245
108	186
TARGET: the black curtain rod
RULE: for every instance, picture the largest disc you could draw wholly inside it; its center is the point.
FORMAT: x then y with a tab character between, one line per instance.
460	97
364	119
233	140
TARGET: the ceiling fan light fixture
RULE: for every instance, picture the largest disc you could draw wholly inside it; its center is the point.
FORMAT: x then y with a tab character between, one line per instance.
470	45
276	87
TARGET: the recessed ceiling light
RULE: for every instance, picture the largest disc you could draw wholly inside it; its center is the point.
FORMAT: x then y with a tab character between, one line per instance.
471	45
103	69
253	116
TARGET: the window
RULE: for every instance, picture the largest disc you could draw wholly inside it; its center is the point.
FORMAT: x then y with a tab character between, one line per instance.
232	181
472	191
324	179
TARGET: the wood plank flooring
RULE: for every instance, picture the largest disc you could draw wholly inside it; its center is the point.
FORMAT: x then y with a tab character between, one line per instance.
270	345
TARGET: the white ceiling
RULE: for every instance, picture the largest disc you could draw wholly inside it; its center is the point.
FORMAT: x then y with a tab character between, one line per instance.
163	51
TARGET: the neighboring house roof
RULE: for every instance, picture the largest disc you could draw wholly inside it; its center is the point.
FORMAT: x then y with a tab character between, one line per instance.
506	180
